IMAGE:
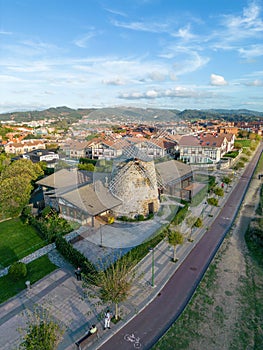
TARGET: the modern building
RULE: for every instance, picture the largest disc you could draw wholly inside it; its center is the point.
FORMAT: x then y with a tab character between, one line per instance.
42	155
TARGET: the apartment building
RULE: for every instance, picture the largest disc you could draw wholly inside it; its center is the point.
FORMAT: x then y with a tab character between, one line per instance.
24	146
205	148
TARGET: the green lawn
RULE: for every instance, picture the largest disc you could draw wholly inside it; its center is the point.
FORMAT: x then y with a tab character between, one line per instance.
244	143
36	270
17	240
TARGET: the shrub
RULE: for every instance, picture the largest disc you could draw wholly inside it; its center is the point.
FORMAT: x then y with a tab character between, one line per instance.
46	211
140	217
76	258
180	215
218	191
17	270
239	165
49	225
198	223
139	252
244	159
212	201
232	154
150	216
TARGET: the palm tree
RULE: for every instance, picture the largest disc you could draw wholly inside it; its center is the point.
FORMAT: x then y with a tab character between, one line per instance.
175	238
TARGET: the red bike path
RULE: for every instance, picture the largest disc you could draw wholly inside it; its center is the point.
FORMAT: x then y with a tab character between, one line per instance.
154	320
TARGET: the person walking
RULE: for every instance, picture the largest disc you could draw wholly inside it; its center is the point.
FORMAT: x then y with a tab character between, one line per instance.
107	319
78	274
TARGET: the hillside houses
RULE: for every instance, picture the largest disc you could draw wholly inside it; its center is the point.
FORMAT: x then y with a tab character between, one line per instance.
110	147
23	146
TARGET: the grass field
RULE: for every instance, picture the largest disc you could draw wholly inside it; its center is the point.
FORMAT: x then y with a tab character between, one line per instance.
36	270
228	317
17	240
244	143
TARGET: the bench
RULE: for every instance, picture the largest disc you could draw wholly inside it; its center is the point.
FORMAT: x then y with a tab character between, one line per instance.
76	239
86	340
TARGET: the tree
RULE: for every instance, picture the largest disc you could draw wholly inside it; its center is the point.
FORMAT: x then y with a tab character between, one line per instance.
218	191
4	161
175	238
190	221
239	165
87	167
116	281
198	222
42	332
24	168
14	195
17	270
16	186
226	180
238	145
212	201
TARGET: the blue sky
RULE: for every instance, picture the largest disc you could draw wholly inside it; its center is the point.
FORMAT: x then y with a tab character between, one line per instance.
142	53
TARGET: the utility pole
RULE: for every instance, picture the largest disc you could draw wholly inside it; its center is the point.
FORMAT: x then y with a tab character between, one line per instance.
100	236
152	250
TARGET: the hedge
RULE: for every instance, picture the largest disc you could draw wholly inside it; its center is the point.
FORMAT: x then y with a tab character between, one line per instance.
180	215
76	258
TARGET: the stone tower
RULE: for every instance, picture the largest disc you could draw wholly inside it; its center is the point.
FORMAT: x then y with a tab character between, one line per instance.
135	184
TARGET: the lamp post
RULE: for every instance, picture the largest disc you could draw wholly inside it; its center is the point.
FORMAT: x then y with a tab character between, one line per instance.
100	236
152	250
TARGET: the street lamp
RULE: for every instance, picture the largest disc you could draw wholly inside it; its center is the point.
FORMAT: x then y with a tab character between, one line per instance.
100	236
152	250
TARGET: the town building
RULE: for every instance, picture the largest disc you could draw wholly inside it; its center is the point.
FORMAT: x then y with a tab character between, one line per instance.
42	155
205	148
24	146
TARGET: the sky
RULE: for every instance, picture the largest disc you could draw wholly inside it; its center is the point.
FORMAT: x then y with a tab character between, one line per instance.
194	54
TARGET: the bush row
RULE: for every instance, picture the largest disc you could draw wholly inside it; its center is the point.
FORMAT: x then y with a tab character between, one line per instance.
139	217
76	258
180	215
49	225
139	252
52	228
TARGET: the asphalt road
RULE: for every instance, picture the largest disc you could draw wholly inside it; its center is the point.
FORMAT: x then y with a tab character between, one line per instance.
151	323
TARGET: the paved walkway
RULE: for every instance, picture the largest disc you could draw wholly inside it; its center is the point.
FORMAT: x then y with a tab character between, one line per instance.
76	308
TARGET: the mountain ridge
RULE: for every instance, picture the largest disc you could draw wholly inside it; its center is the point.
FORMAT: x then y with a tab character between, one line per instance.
135	114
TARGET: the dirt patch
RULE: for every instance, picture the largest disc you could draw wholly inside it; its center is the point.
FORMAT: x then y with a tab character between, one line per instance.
226	310
226	320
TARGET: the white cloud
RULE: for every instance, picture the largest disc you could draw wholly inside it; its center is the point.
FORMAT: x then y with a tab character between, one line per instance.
83	41
33	67
217	80
9	79
152	27
252	51
3	32
116	12
246	26
184	33
256	82
250	20
116	81
179	92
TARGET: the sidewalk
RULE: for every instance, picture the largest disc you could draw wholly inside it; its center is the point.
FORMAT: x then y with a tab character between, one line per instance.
77	308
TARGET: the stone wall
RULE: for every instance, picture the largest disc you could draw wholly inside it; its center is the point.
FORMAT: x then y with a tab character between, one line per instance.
136	186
